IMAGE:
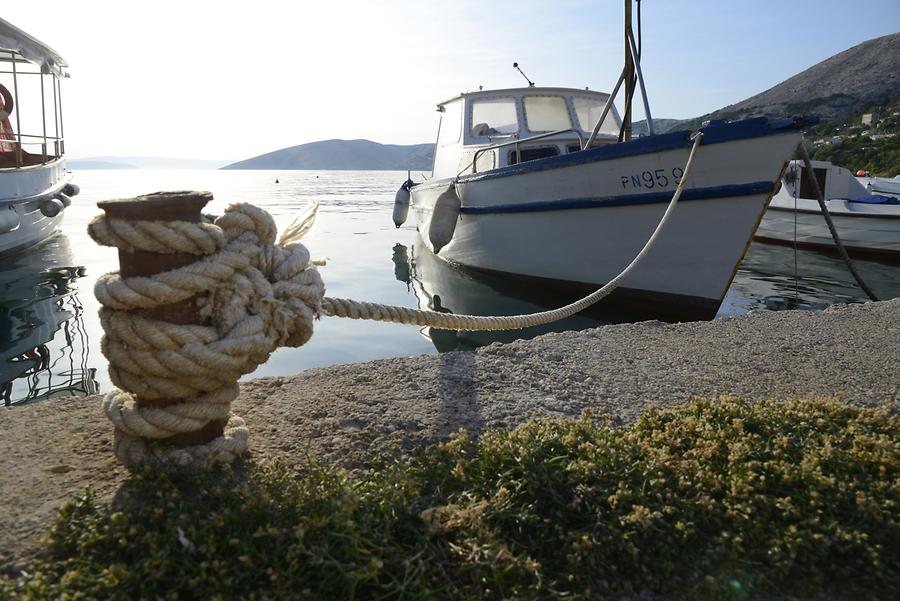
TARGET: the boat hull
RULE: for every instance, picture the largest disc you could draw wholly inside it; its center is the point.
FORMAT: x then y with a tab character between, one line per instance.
22	191
582	221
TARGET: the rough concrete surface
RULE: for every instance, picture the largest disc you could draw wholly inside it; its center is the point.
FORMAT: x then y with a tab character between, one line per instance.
53	449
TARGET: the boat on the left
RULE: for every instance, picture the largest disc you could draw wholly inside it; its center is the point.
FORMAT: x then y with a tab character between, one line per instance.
35	186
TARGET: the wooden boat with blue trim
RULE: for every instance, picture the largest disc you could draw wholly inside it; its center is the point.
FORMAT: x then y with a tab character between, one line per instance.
526	198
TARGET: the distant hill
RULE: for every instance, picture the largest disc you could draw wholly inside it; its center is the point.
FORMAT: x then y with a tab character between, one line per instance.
865	74
343	154
113	162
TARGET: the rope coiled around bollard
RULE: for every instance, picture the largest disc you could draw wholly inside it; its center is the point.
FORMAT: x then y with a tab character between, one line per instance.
256	295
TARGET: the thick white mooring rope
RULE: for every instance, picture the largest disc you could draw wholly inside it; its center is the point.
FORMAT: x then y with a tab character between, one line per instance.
258	295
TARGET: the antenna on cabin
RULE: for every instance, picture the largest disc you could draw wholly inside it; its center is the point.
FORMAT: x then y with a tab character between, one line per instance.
516	67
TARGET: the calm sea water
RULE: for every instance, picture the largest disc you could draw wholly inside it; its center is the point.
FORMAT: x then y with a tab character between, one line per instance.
50	333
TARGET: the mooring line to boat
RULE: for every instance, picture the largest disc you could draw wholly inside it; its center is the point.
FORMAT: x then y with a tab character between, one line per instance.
796	194
341	307
178	377
811	176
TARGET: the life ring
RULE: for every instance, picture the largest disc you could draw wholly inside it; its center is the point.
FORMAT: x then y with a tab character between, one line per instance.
7	108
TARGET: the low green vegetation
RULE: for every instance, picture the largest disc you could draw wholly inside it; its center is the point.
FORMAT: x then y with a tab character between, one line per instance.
717	500
878	157
858	149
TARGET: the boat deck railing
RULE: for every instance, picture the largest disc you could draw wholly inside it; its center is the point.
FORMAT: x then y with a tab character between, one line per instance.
32	150
517	142
18	149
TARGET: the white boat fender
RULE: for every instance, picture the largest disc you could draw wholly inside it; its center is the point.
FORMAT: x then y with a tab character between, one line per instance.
401	204
71	189
444	218
64	198
9	220
52	207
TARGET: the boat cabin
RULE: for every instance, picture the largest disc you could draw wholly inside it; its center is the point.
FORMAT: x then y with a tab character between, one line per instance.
834	181
30	74
488	129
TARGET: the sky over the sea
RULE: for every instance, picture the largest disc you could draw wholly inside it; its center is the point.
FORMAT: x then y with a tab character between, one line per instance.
230	80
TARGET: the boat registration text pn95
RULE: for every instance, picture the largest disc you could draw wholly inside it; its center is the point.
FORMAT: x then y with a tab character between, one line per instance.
658	178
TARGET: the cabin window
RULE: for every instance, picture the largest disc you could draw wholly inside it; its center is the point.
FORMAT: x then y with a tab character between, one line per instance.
451	124
588	110
533	153
494	116
546	113
806	188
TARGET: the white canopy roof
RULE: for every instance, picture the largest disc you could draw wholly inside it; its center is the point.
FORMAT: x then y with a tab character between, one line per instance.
33	50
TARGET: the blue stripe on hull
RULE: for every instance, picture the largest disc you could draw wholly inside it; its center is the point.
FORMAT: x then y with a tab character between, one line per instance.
715	133
564	204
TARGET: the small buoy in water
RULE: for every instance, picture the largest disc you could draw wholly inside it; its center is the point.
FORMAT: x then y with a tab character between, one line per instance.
52	207
443	218
401	204
276	181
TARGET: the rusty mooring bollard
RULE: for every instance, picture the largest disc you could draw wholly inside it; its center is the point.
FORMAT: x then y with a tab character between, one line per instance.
165	206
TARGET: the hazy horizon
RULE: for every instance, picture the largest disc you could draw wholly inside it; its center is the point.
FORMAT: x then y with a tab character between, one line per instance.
221	81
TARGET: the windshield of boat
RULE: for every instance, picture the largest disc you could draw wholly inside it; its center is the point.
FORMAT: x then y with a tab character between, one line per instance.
494	116
546	113
588	110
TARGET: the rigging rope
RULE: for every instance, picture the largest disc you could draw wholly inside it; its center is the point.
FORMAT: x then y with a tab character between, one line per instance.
811	175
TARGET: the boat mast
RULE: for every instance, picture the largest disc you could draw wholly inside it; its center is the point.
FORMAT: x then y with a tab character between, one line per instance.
629	75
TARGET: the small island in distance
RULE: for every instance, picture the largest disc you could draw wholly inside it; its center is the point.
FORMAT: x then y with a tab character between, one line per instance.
344	155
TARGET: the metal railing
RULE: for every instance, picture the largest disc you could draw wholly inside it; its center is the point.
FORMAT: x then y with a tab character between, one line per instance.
51	146
517	143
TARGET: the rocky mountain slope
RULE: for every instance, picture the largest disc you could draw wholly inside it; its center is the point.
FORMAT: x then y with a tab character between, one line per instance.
865	74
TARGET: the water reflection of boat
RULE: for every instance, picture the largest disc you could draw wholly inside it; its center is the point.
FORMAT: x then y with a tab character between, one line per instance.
767	279
450	288
43	343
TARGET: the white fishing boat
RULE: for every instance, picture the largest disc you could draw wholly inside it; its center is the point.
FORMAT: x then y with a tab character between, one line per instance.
545	182
35	186
868	224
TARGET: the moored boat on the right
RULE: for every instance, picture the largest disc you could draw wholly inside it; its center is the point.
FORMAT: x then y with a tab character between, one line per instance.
885	185
868	224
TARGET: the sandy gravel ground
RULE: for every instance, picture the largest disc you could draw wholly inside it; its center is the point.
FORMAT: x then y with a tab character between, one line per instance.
53	449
